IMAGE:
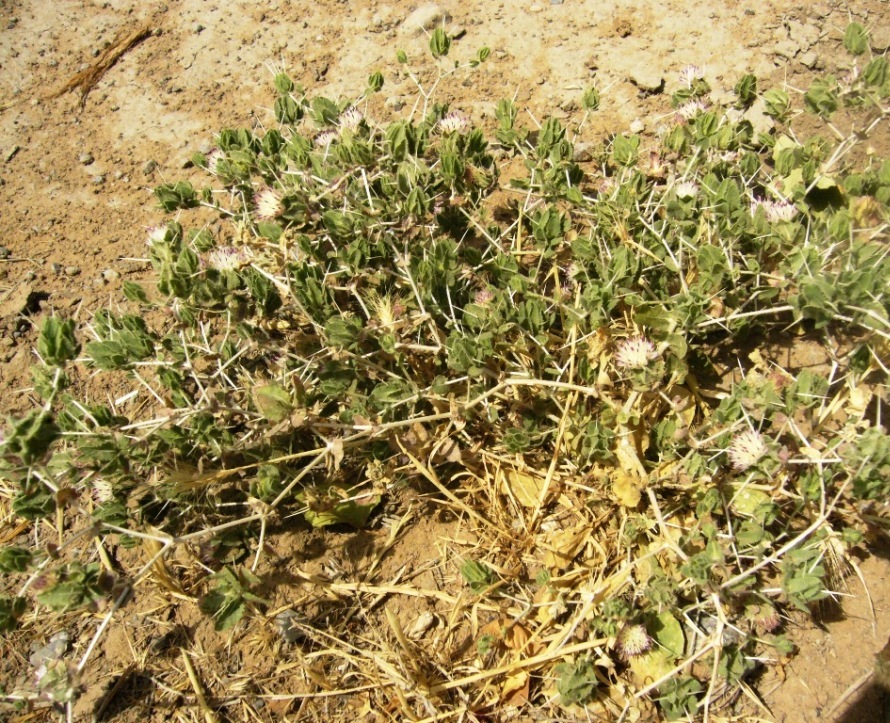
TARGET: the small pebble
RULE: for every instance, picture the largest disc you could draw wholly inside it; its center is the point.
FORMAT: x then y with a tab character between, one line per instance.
582	152
86	158
99	180
7	342
637	126
56	268
810	59
149	168
394	102
426	17
4	252
72	270
287	622
111	275
53	650
30	276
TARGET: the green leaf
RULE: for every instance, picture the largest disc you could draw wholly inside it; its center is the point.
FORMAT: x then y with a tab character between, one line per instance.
227	600
576	682
591	99
821	98
11	609
34	504
668	632
483	54
14	559
176	196
856	39
777	103
283	83
273	401
287	110
332	505
343	331
375	81
134	292
76	586
401	57
440	43
391	392
31	436
108	355
678	697
746	90
324	111
477	575
875	73
625	149
56	343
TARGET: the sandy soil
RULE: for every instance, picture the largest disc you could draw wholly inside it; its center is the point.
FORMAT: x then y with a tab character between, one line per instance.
75	203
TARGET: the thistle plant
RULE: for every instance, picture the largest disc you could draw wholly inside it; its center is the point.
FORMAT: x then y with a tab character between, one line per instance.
344	307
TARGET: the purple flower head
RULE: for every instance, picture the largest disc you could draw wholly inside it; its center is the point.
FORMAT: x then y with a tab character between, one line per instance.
776	211
351	119
325	138
268	204
637	352
633	640
227	258
690	74
746	449
454	122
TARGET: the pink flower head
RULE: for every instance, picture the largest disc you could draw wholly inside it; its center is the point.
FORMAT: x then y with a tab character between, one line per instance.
637	352
775	211
268	204
454	122
764	616
325	138
351	119
213	159
746	450
227	258
156	235
686	189
483	296
690	74
691	108
633	640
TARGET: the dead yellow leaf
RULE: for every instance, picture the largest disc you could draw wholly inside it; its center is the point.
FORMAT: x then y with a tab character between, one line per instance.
515	690
627	487
561	546
516	636
651	666
524	487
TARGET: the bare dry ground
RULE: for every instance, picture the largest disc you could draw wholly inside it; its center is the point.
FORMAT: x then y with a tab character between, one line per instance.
75	178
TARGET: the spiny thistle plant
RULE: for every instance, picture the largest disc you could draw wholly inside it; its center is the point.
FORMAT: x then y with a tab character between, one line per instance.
347	307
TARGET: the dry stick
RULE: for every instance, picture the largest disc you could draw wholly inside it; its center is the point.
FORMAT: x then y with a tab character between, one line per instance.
560	434
209	715
86	80
847	694
519	665
125	593
434	479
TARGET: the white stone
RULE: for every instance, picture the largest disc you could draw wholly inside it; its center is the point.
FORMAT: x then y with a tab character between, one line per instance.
426	17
